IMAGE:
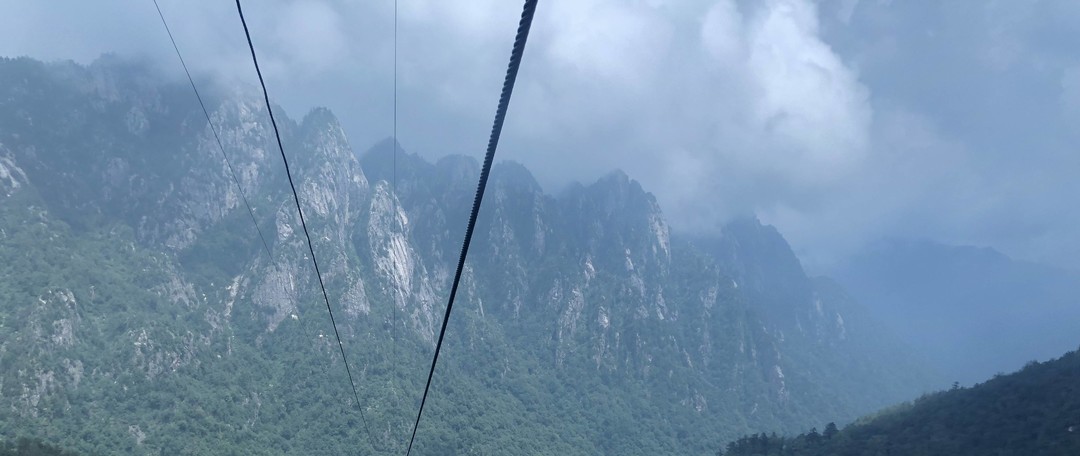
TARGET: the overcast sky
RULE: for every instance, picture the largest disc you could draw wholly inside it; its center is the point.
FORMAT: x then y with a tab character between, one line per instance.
839	121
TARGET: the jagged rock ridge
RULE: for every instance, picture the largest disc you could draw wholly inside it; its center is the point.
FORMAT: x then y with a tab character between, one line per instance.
140	309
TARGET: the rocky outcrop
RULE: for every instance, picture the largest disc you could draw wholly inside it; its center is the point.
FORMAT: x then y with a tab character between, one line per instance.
157	285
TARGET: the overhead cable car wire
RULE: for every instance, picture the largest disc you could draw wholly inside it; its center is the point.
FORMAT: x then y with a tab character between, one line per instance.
394	198
221	147
493	141
395	142
303	223
395	95
217	137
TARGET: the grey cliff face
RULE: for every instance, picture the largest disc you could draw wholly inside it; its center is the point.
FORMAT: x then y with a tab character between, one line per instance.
589	292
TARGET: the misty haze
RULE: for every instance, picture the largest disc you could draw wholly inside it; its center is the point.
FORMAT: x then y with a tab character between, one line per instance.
715	227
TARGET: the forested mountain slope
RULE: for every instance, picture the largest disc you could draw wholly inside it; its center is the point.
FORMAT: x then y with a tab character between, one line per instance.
140	314
1035	411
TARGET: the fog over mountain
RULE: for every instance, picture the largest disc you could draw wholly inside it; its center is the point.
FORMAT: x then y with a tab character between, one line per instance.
707	218
974	311
838	121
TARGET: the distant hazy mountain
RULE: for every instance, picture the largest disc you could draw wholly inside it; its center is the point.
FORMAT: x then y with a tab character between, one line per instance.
1035	411
974	311
139	313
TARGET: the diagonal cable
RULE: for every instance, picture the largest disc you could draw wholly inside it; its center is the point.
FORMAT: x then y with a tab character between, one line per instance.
303	223
266	248
493	141
217	137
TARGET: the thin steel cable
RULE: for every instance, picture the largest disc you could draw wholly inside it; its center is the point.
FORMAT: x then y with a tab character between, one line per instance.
304	324
303	223
394	198
493	141
395	94
217	137
393	322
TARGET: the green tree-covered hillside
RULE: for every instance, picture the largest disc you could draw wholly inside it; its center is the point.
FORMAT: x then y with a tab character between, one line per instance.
140	313
1035	411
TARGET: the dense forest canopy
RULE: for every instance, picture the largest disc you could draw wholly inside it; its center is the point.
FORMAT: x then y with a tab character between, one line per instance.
1035	411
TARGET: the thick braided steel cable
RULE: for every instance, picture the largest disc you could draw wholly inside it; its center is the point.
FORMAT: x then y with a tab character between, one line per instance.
493	141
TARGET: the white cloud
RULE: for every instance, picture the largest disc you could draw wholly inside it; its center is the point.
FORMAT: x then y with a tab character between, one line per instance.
309	35
810	103
788	118
720	107
722	32
615	41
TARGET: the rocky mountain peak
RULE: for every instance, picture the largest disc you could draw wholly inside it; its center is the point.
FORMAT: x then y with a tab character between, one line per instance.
580	315
760	256
513	176
615	214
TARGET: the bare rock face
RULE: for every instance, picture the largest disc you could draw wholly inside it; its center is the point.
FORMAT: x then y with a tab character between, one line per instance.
12	178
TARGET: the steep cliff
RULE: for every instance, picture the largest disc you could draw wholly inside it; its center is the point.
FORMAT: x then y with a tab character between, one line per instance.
140	313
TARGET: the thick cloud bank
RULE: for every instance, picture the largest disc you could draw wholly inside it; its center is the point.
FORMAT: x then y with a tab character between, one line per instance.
841	121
